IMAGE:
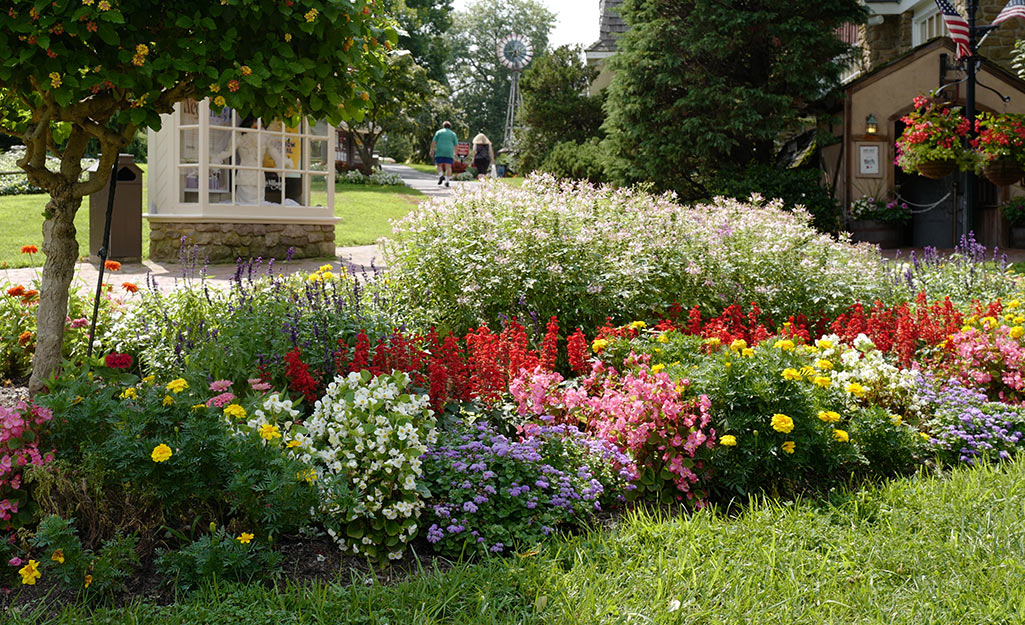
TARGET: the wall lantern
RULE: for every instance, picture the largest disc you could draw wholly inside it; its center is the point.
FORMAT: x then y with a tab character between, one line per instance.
871	124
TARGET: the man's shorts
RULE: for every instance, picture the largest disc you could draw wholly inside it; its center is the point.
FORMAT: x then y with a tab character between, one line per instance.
442	160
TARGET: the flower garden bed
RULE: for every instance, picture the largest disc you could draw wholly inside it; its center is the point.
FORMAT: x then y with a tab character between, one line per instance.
239	435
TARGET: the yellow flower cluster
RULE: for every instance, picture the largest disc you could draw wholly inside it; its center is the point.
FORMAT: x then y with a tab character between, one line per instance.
306	475
321	274
236	411
178	385
245	538
161	453
55	80
785	345
139	59
638	325
856	389
728	441
269	432
789	447
841	436
782	423
598	345
791	374
30	573
129	393
311	15
829	416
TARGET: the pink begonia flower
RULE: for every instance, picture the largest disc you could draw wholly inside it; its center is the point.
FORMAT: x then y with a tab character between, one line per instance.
15	561
220	386
81	322
221	400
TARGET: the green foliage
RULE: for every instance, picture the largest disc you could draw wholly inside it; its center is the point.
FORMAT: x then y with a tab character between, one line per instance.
1013	210
556	107
792	186
576	161
111	432
424	25
62	556
479	81
730	85
218	556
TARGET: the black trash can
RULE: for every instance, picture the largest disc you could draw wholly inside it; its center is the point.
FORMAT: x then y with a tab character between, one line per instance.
126	220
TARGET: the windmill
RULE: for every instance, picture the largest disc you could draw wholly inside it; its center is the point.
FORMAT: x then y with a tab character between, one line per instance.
515	52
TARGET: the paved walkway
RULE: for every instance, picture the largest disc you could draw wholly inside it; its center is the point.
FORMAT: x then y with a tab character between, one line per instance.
422	182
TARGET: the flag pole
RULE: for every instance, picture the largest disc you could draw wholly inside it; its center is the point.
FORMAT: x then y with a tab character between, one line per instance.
969	213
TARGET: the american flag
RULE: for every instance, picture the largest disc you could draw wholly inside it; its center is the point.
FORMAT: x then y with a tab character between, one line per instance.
1014	8
957	26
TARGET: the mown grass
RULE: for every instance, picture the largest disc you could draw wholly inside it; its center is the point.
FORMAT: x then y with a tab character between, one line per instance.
22	217
920	550
364	209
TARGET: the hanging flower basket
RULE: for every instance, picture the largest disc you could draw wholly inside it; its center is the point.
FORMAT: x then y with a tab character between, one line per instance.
936	169
1003	171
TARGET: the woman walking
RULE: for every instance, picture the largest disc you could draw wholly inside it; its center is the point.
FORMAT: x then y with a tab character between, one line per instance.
483	155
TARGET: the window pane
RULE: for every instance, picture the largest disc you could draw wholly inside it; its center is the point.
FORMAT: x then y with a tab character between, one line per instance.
224	118
318	190
319	129
189	185
189	146
220	185
318	154
220	146
189	113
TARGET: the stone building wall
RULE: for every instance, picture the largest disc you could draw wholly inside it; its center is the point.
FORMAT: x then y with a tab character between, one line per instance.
225	242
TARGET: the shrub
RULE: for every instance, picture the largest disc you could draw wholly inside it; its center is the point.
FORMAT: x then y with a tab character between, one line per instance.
576	161
585	253
792	187
218	556
1013	210
383	178
364	442
493	494
62	556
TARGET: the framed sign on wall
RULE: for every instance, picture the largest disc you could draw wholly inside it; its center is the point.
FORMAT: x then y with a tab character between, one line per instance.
869	160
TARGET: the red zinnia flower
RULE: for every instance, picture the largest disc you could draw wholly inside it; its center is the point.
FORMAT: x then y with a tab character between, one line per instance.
29	249
118	361
16	291
112	265
24	338
130	287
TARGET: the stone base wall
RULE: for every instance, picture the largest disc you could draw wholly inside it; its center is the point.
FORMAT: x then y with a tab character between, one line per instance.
226	242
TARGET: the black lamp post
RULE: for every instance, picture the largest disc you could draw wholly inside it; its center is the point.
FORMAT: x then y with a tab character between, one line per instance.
969	189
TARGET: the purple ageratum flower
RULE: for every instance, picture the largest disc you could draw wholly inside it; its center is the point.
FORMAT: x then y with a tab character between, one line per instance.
434	534
469	507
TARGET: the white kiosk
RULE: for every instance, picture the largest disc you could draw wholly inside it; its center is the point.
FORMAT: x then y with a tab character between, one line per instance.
236	188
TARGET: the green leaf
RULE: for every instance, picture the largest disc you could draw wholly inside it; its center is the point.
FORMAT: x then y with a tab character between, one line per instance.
354	529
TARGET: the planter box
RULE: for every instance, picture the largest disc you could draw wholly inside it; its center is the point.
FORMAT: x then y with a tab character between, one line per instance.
885	235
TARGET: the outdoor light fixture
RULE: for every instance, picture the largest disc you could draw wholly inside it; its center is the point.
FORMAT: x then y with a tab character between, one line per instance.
871	124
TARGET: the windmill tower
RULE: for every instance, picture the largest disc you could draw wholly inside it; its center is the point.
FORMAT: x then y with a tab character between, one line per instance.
515	52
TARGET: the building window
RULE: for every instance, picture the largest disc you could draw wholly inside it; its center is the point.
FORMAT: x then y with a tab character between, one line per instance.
926	24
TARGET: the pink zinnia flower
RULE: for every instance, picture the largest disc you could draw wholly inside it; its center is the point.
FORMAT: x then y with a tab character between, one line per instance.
220	386
259	385
81	322
221	400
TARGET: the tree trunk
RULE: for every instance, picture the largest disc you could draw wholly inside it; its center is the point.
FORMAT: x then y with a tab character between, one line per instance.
61	249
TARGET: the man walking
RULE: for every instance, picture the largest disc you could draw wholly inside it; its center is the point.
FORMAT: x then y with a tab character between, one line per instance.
443	151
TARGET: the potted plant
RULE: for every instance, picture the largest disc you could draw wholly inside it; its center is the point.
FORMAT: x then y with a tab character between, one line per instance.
878	221
1000	147
931	144
1013	211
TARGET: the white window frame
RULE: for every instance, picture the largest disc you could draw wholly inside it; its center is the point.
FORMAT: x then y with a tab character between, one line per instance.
926	23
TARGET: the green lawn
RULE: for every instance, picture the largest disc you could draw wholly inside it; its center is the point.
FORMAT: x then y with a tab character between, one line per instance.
364	209
22	216
939	550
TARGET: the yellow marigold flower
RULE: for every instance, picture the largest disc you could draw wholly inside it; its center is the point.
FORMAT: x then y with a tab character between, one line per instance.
791	374
77	400
966	328
657	368
58	556
1020	319
88	580
269	432
822	381
198	406
327	275
824	344
663	338
598	345
311	15
747	353
789	447
161	453
785	344
1017	332
738	345
895	419
807	371
220	101
824	364
234	410
1014	303
30	573
638	325
245	538
306	475
149	378
129	393
292	444
728	441
55	81
288	37
714	342
178	385
168	400
315	277
782	423
829	416
323	268
841	436
855	389
924	435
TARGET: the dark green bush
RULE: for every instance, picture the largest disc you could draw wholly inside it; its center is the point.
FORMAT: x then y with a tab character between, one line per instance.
580	161
792	186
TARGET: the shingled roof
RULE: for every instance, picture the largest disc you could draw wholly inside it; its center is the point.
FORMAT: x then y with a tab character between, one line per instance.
612	25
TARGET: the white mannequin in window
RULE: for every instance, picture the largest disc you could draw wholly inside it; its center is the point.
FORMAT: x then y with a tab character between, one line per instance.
248	181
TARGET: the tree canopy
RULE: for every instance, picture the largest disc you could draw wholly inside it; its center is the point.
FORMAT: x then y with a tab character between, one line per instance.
479	81
73	70
556	105
728	78
425	25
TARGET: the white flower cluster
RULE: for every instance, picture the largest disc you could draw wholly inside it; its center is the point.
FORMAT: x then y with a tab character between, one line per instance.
888	384
369	433
273	411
